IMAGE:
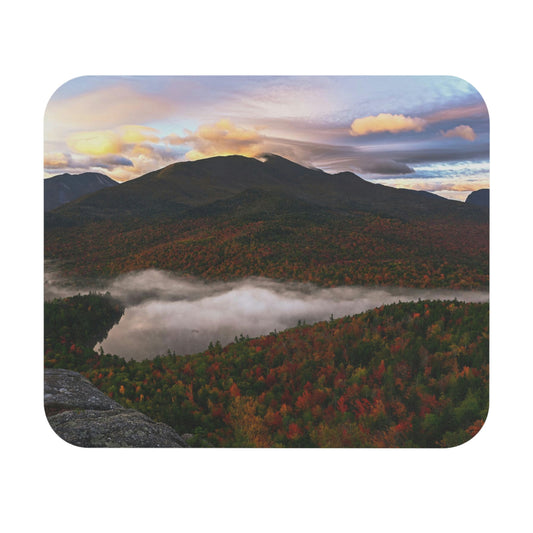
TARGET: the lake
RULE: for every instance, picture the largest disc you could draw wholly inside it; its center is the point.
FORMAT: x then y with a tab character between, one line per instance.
168	312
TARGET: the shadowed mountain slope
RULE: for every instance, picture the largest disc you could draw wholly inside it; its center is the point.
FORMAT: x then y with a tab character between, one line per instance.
64	188
479	198
174	189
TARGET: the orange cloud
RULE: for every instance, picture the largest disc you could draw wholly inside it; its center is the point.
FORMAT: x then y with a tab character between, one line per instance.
470	186
385	122
465	132
222	138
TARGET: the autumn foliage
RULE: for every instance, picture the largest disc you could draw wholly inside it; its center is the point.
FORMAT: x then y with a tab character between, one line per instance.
361	249
403	375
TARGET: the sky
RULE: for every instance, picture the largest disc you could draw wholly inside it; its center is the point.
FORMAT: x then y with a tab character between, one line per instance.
426	133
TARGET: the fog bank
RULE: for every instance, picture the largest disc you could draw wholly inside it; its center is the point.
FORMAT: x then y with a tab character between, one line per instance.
168	312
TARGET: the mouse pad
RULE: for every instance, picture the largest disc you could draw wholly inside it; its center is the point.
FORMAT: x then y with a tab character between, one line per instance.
266	261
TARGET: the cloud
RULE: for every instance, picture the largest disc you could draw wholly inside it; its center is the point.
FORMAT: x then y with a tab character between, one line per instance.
385	122
133	134
221	138
111	161
382	166
86	163
435	152
136	160
448	187
334	158
165	311
124	152
97	143
465	132
104	108
56	160
461	112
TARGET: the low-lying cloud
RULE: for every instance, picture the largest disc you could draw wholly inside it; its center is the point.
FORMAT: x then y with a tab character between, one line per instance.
167	312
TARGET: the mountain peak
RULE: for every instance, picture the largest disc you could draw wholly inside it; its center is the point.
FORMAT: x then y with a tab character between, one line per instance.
279	162
65	188
479	198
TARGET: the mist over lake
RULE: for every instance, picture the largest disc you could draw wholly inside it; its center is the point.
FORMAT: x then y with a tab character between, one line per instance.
168	312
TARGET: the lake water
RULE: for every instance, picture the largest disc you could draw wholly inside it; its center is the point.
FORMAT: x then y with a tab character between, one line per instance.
167	312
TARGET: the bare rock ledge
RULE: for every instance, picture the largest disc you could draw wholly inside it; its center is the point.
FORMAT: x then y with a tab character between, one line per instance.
84	416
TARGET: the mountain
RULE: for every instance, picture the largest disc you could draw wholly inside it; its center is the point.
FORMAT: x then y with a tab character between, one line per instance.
175	189
479	198
64	188
231	217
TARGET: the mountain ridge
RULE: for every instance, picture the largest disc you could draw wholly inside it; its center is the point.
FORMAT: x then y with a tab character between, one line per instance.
176	188
230	217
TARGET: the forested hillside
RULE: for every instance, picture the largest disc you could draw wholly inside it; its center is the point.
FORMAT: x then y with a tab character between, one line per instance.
257	234
407	375
228	218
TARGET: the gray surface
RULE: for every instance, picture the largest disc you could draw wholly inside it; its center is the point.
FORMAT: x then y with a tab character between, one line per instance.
84	416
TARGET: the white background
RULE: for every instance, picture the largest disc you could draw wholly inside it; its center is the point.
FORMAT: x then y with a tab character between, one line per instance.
480	486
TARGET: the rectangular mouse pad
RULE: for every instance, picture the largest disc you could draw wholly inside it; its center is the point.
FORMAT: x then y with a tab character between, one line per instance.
266	261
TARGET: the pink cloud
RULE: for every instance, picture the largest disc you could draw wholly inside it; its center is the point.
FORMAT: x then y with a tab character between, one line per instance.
465	132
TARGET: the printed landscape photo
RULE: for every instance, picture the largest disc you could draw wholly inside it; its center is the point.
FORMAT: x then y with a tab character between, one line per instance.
266	261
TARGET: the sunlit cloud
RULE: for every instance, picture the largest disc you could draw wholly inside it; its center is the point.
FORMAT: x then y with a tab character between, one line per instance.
385	122
133	134
125	152
56	160
95	142
128	126
462	131
221	138
450	188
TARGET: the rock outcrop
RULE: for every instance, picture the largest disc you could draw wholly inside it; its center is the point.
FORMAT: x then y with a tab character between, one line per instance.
84	416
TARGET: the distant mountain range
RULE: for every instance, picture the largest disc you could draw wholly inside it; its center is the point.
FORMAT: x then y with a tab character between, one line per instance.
479	198
180	187
65	188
